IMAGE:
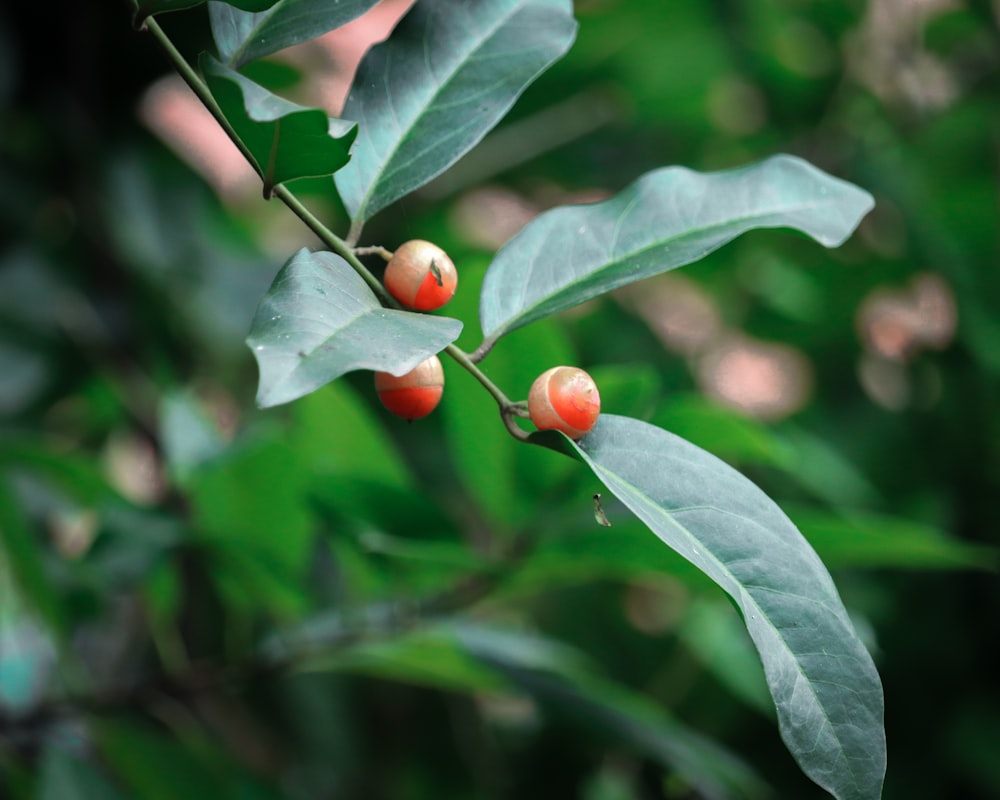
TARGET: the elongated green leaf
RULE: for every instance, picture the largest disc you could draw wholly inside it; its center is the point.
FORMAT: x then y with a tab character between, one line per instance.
447	75
854	539
425	658
537	666
467	656
22	554
242	36
824	684
149	8
319	320
667	218
286	141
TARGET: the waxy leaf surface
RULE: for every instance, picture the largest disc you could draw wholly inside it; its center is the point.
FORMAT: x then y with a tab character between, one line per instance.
446	76
667	218
320	319
286	140
826	690
242	36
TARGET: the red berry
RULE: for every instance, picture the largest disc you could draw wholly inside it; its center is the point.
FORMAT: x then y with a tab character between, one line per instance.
421	276
415	394
564	399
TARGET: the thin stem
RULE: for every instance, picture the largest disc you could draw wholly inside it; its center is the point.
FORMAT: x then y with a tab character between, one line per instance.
345	248
508	408
463	358
335	243
507	415
198	86
373	250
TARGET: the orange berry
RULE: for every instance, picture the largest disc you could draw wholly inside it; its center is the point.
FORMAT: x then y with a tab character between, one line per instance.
421	276
415	394
564	399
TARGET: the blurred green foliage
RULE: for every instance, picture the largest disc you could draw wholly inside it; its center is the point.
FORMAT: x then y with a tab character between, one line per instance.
200	598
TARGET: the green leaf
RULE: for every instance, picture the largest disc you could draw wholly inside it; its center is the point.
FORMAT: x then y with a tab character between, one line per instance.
149	8
26	374
141	759
286	141
68	777
633	389
253	500
862	539
597	553
423	658
446	76
818	465
824	684
511	485
667	218
336	434
733	436
242	37
23	555
554	674
320	319
188	437
74	473
20	781
131	543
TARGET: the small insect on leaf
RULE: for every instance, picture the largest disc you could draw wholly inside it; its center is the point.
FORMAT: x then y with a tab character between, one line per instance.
599	512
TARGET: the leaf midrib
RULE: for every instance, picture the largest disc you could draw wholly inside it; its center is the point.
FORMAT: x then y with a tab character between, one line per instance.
237	57
691	538
610	285
459	63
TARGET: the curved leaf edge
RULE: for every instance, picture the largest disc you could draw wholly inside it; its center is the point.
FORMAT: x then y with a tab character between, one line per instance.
151	8
254	47
492	335
560	443
268	396
366	208
339	131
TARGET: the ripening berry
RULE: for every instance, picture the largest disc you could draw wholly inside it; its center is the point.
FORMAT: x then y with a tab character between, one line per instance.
564	399
420	275
415	394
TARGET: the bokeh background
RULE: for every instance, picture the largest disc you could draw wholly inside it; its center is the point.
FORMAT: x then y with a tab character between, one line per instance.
156	530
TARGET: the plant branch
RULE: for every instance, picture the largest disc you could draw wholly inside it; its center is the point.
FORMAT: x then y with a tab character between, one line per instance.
482	351
508	408
201	90
344	248
335	243
194	81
